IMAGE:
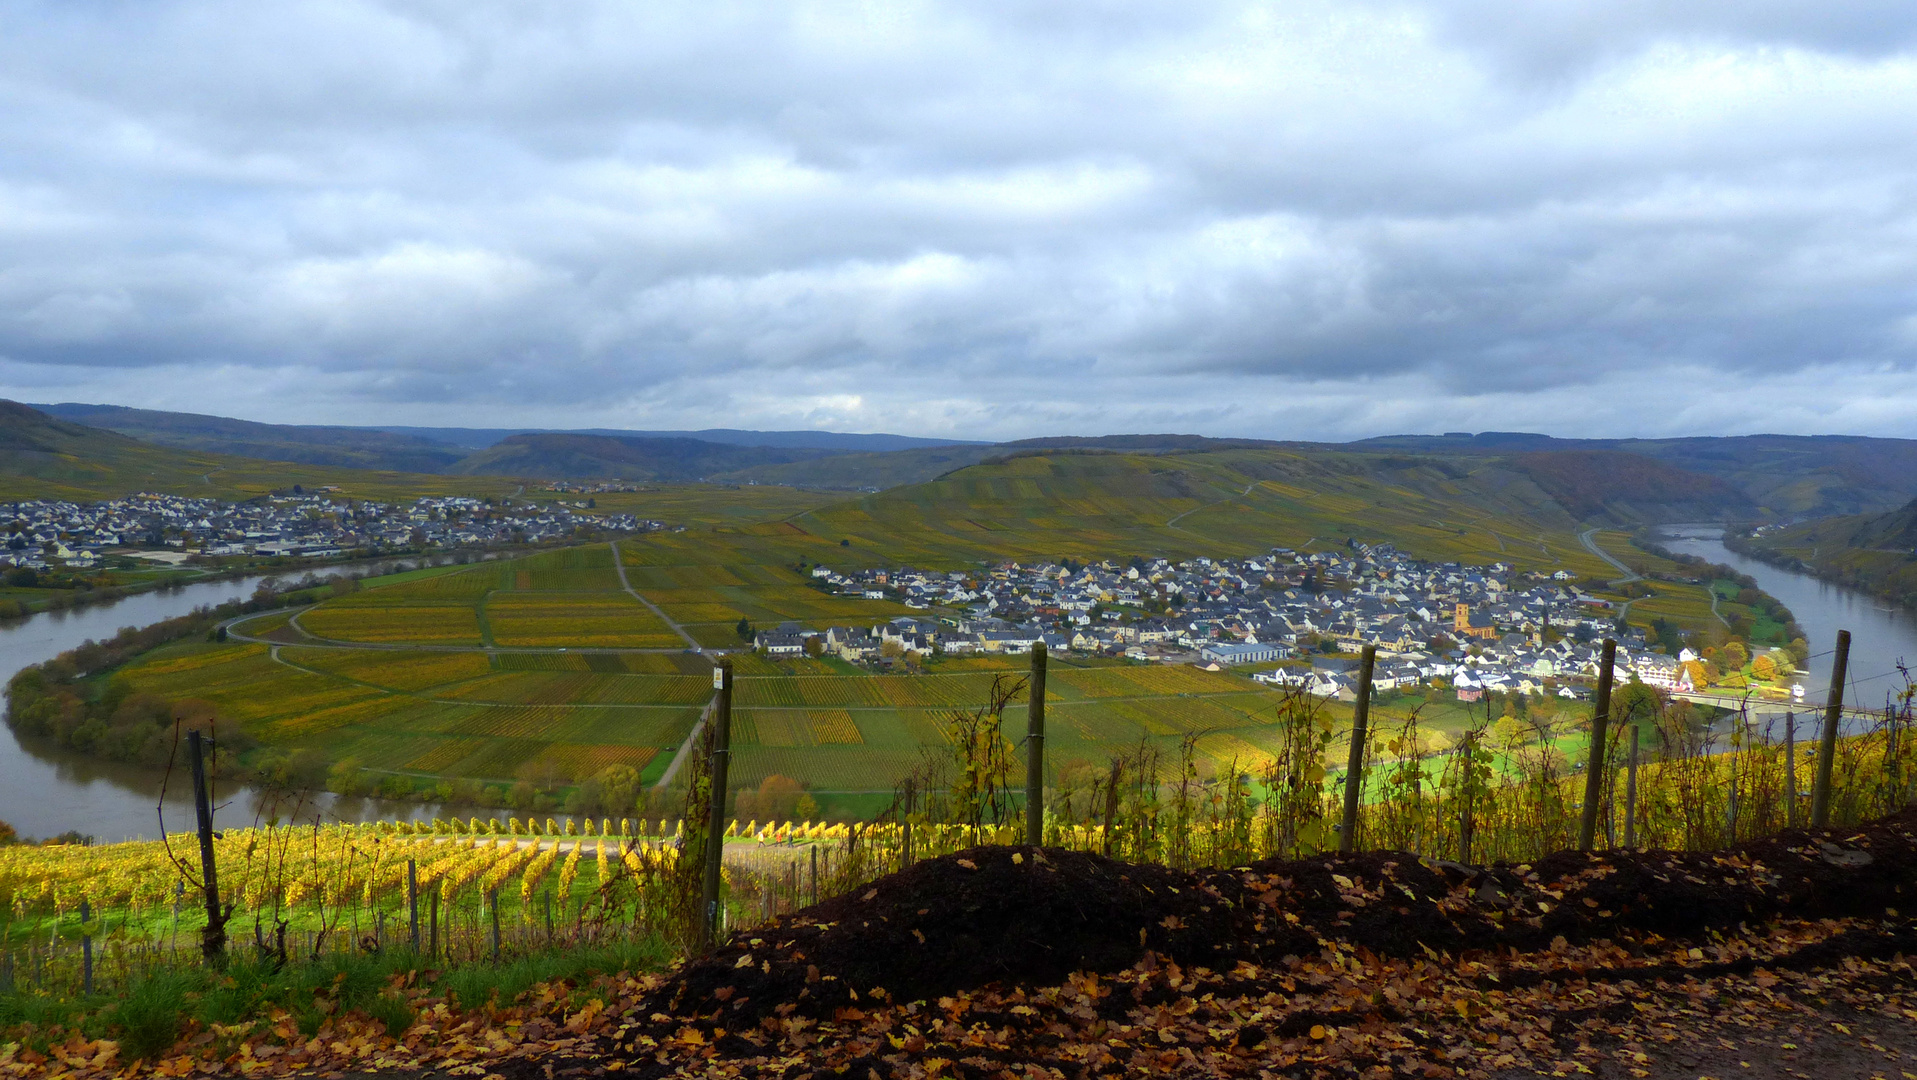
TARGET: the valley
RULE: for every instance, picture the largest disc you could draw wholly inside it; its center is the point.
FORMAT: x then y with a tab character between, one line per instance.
513	680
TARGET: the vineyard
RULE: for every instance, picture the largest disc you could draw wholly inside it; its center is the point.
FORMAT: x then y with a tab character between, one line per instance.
545	671
1470	831
481	887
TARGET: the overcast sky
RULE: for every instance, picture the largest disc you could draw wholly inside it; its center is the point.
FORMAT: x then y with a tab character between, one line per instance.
1625	217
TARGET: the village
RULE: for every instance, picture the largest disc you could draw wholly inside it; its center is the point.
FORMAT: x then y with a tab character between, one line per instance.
1291	618
41	534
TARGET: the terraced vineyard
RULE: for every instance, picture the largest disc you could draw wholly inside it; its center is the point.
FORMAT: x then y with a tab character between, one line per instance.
547	668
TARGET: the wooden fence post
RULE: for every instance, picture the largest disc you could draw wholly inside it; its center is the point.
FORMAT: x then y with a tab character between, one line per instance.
86	949
1111	802
1600	723
716	824
412	898
492	902
1827	745
1468	749
1035	750
1355	766
1790	770
1630	794
213	938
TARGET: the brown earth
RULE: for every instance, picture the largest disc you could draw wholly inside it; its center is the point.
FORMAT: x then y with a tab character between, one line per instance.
1415	961
1781	958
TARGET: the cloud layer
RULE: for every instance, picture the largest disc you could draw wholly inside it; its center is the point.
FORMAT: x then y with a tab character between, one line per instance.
1299	220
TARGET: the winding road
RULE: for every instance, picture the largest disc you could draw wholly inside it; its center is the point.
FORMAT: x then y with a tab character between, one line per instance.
1590	544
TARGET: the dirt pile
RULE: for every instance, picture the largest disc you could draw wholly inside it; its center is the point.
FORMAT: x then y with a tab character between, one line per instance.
1031	917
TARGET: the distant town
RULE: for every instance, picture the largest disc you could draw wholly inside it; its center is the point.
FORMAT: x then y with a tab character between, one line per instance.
46	534
1477	628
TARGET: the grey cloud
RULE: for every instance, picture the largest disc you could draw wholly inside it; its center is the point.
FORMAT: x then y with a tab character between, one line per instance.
1296	219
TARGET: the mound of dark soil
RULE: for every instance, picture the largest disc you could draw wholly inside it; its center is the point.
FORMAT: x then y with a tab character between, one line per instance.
1031	917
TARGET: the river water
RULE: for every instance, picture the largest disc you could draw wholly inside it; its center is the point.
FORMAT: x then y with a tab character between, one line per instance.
46	790
1882	635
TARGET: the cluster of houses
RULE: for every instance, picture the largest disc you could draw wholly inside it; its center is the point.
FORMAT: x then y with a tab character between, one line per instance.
42	533
1475	629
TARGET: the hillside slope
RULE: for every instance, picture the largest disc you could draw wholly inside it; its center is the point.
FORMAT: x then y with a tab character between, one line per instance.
1786	475
347	447
45	457
1237	502
607	457
1610	485
1873	552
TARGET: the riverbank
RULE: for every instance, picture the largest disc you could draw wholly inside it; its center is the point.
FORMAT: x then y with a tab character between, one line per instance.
47	789
1888	574
1883	636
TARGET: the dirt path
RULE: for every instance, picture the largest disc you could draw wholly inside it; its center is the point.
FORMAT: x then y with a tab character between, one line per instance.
1174	521
1716	614
619	565
685	747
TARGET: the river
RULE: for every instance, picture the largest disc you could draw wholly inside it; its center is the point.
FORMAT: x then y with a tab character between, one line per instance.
46	790
1882	635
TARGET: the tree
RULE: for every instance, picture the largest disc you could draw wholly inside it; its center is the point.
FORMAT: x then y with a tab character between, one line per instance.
346	778
620	785
587	797
779	797
1635	699
1735	655
744	628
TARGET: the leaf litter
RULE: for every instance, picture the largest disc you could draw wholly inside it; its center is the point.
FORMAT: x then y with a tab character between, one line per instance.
1002	961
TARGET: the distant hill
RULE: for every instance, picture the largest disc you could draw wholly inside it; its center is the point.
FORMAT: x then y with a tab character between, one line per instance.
353	448
1613	486
1240	501
1141	443
1600	481
609	457
1788	475
447	450
856	472
43	456
847	442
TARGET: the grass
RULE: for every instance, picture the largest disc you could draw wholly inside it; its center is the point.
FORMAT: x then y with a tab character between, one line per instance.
149	1012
